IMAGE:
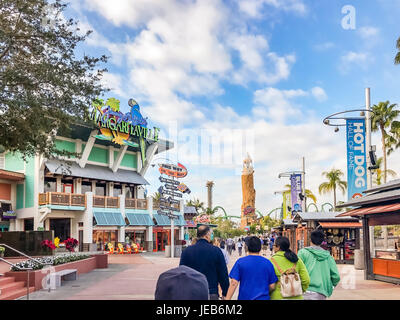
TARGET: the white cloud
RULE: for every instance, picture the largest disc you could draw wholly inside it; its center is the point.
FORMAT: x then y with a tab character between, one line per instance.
254	8
324	46
319	94
352	59
368	32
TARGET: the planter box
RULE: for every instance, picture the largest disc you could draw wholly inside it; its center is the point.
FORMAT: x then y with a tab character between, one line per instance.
82	266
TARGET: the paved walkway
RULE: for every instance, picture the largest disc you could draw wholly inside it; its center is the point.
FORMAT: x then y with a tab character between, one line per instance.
134	277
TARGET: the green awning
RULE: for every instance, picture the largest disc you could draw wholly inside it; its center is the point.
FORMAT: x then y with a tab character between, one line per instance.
109	218
139	219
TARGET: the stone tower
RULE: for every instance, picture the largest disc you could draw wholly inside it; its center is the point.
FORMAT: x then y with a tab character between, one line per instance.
209	185
248	215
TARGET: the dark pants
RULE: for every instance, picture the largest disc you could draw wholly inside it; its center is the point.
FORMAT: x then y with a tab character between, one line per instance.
214	296
240	251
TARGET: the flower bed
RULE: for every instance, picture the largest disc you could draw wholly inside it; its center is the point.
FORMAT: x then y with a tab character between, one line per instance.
51	260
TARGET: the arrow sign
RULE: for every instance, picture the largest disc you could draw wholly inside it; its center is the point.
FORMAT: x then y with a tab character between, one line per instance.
162	179
169	208
170	187
171	193
169	200
167	213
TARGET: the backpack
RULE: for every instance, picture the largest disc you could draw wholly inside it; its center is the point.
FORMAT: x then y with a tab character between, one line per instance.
290	281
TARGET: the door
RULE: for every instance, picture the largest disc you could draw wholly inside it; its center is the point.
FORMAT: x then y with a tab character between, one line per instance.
68	188
61	227
80	240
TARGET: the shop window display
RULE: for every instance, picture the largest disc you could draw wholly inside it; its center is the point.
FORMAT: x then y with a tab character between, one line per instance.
341	243
389	248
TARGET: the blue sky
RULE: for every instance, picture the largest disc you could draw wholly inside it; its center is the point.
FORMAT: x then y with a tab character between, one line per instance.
271	68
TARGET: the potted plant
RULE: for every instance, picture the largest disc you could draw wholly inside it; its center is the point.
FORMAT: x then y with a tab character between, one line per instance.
2	249
70	244
48	246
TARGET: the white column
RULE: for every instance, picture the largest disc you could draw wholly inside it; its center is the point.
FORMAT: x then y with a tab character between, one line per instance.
58	184
121	234
94	187
78	186
182	212
110	189
172	238
149	231
88	219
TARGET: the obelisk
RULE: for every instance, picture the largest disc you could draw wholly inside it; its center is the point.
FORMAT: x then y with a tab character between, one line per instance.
248	215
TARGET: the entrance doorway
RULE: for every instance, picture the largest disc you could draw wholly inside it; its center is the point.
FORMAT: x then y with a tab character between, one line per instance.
161	238
61	227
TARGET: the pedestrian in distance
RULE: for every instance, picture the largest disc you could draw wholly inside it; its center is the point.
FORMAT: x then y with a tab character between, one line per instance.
286	262
240	247
208	260
324	274
229	244
182	283
222	247
271	244
254	274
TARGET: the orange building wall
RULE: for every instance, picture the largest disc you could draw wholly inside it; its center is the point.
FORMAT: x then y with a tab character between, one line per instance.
5	191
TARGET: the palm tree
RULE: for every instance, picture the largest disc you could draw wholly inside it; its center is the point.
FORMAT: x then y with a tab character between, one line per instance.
397	58
156	199
333	183
309	193
209	186
379	172
383	119
197	204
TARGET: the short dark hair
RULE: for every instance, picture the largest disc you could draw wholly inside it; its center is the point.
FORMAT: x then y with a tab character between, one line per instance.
202	231
254	244
317	237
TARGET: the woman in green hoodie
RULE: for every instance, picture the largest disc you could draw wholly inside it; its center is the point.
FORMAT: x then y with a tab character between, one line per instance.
286	258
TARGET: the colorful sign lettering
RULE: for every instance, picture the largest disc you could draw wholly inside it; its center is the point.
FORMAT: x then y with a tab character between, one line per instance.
295	187
356	158
286	202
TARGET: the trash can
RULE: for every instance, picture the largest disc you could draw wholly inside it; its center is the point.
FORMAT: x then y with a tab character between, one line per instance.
359	259
177	251
168	251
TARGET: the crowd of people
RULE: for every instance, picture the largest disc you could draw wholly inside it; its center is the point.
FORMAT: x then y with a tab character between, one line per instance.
310	274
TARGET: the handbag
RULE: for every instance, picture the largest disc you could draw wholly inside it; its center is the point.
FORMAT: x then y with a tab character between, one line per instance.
290	282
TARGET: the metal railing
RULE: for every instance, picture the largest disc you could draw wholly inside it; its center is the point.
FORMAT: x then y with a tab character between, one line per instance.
20	268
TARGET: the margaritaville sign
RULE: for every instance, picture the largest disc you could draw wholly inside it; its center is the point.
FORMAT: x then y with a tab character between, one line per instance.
122	128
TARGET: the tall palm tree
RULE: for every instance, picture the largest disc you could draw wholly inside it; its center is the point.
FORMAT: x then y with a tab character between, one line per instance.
383	119
309	193
334	182
209	185
379	172
397	58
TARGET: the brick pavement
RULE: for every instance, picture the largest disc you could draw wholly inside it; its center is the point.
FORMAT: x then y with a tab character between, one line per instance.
134	277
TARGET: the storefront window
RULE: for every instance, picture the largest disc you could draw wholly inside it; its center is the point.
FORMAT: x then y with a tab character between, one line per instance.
117	190
86	187
100	189
130	192
387	242
50	184
103	237
136	237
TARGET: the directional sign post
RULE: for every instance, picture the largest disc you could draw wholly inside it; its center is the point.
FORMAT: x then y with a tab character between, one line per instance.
172	188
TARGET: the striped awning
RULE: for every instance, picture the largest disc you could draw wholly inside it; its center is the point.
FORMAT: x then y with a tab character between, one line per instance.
340	225
163	220
371	210
139	219
109	219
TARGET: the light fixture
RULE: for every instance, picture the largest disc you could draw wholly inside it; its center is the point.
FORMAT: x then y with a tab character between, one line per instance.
362	114
336	129
326	121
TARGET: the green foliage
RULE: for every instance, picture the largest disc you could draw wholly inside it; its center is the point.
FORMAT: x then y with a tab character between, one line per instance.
397	58
226	228
268	223
44	85
113	103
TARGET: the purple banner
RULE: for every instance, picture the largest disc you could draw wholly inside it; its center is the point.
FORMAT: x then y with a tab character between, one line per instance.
295	187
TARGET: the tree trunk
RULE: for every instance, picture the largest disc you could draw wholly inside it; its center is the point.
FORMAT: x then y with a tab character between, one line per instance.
334	199
384	153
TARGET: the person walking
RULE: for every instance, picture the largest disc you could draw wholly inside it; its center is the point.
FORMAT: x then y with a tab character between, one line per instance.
271	244
240	247
245	243
254	273
229	244
283	260
208	260
324	274
222	247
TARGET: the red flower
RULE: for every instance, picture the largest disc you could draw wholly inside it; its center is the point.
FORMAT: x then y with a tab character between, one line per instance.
48	244
70	244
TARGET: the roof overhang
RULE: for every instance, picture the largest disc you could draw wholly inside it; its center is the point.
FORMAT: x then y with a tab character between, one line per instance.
372	210
94	172
340	225
11	175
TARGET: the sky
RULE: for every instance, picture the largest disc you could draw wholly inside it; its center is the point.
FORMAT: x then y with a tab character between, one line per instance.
227	78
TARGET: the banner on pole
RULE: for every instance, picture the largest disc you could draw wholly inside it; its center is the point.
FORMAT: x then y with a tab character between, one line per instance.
295	187
286	202
356	158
